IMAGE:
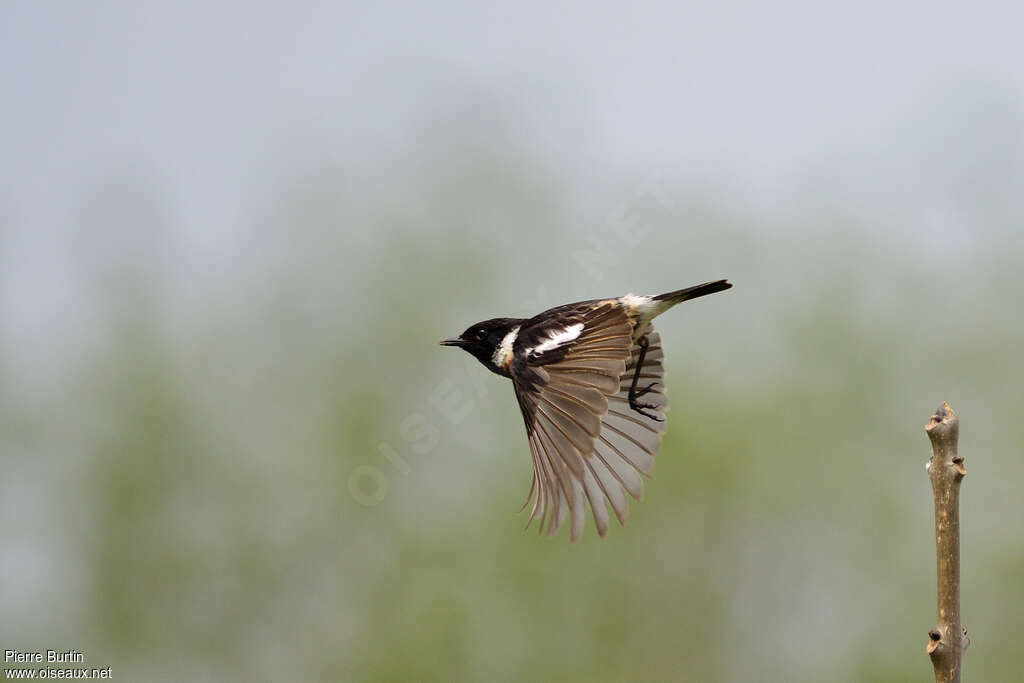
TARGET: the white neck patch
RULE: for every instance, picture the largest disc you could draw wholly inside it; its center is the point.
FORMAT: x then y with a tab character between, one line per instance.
503	354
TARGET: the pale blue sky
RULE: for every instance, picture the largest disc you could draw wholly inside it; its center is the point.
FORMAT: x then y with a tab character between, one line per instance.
897	112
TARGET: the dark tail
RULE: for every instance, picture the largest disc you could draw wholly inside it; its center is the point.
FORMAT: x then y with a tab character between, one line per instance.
682	295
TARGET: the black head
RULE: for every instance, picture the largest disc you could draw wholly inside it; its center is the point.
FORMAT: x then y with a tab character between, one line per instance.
483	339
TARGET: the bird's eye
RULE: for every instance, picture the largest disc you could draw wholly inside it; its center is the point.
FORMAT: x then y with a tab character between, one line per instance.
481	334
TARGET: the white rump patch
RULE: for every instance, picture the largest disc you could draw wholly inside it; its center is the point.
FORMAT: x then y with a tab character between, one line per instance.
557	339
503	354
641	309
636	305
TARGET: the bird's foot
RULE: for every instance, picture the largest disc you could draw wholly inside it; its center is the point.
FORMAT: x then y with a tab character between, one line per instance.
644	409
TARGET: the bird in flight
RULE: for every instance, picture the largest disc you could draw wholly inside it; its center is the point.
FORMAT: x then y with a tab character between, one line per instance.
589	380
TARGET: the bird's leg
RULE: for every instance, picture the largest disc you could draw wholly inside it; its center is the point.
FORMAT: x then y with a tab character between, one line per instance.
633	393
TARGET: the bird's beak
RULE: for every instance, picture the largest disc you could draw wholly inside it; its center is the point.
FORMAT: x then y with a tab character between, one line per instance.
454	341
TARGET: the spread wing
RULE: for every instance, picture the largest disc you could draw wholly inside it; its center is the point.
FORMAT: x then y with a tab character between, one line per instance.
587	444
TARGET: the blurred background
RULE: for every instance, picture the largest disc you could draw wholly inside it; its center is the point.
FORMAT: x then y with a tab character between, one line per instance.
231	236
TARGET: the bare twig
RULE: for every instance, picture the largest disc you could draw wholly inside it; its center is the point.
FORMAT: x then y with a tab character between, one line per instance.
948	640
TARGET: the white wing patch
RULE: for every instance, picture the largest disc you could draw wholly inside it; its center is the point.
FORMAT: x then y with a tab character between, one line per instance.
503	354
557	339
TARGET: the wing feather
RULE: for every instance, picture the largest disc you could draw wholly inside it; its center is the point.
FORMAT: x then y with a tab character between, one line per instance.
588	446
554	461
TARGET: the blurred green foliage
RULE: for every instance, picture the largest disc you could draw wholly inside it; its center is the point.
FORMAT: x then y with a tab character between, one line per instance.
195	452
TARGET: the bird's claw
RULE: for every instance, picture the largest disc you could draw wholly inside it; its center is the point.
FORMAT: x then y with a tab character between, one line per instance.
645	390
643	409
